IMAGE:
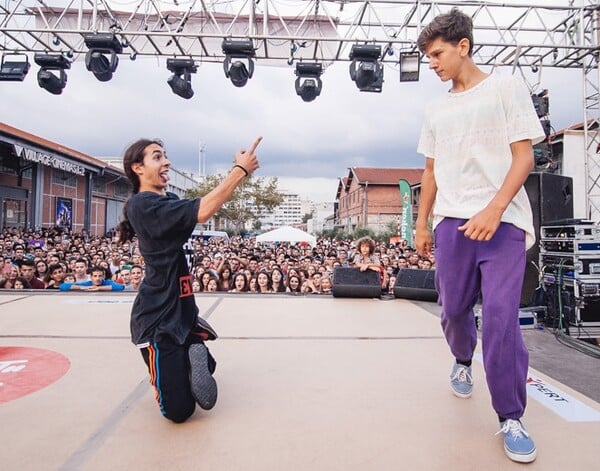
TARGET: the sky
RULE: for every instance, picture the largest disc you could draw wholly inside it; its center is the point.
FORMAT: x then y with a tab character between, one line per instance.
308	146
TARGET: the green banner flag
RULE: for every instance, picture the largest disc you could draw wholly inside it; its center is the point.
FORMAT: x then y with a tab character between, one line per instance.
406	229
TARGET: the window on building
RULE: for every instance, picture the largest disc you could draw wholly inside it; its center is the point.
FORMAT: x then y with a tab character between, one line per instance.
99	185
122	188
60	177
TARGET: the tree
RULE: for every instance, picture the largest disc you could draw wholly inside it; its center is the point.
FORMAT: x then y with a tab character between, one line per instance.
307	216
253	198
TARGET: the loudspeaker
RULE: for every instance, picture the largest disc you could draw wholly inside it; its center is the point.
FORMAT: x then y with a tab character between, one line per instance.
353	283
413	283
551	199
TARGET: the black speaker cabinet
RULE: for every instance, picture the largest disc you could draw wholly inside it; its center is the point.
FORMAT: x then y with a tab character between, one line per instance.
412	283
551	199
353	283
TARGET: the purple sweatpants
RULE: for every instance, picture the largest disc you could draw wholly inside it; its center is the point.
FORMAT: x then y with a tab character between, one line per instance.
466	269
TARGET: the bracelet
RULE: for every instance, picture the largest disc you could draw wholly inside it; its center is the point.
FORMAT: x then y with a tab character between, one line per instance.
243	169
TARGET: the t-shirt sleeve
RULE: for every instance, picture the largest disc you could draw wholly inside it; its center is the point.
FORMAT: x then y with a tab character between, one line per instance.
166	216
426	145
521	118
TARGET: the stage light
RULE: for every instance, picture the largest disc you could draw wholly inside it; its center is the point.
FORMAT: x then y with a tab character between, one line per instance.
541	103
96	61
14	67
46	78
308	81
365	70
542	154
237	71
409	66
546	126
181	82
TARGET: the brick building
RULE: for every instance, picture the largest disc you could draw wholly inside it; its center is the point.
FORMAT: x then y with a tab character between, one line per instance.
45	184
370	197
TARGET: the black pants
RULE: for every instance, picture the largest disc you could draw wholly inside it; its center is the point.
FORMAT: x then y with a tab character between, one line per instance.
169	367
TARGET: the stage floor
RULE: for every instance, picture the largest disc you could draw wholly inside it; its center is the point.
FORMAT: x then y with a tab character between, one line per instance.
305	383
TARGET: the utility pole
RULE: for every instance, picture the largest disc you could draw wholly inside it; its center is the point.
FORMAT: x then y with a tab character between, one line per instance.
201	160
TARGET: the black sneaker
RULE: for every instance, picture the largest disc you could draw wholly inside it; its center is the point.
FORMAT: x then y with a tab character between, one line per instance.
204	330
203	385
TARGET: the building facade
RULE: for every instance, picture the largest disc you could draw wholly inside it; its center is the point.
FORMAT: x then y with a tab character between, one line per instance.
370	197
45	184
288	213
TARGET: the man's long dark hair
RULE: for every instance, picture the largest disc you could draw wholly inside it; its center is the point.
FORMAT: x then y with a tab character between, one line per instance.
134	154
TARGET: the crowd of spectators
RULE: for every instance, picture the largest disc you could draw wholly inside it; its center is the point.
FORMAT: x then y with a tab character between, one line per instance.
57	259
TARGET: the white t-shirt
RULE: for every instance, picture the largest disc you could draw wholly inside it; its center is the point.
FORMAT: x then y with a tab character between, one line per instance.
469	135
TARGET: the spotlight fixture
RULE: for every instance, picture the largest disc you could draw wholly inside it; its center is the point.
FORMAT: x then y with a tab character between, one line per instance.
14	67
409	66
237	71
368	74
181	82
96	61
48	80
542	154
541	103
308	81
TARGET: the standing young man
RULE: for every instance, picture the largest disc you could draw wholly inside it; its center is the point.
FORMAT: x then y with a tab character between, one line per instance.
477	140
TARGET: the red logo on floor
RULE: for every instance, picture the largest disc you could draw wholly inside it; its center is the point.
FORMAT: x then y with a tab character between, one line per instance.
25	370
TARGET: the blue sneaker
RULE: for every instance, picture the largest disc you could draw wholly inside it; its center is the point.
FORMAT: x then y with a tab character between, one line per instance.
518	445
461	381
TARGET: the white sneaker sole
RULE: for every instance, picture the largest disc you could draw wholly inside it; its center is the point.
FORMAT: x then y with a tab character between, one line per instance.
519	458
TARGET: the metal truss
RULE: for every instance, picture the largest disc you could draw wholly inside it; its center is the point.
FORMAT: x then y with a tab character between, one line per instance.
528	35
551	33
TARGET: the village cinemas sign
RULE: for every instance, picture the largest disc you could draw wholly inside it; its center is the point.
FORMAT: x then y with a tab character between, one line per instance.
49	160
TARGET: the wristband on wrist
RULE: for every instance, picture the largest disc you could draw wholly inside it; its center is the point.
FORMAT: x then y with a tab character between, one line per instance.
243	169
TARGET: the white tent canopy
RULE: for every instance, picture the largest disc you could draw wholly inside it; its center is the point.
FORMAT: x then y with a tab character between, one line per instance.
287	234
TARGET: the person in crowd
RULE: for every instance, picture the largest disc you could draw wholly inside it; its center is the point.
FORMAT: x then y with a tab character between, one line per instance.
213	285
137	275
28	273
4	284
80	268
326	285
19	254
481	216
263	282
204	279
6	266
253	264
69	278
124	277
97	282
293	284
314	282
114	264
253	283
164	320
225	277
11	276
234	264
21	283
365	258
277	281
240	283
196	287
55	276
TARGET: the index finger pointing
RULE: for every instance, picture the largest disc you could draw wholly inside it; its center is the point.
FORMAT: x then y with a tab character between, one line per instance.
255	144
